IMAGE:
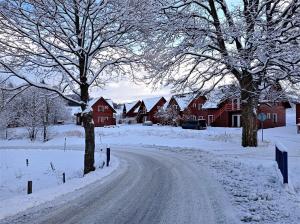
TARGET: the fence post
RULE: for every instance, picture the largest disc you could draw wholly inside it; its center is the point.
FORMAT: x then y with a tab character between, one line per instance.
27	162
285	167
107	156
65	144
29	187
64	178
277	155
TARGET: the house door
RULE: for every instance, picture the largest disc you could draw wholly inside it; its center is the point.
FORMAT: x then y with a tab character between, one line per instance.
236	120
210	119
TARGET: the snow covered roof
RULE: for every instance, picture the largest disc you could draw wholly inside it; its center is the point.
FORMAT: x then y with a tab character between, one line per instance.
110	102
136	110
130	105
218	95
151	102
183	100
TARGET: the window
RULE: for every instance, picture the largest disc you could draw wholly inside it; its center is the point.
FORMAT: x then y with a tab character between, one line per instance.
101	108
175	107
236	104
194	118
200	106
106	107
210	119
194	105
102	119
268	115
200	118
275	118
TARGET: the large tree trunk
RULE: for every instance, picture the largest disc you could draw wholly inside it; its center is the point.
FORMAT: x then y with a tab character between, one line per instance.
89	129
249	102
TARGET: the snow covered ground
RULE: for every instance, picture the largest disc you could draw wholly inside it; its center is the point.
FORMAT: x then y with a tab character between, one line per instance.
45	169
249	175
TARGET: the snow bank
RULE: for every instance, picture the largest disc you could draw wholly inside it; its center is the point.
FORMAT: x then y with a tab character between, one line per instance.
47	183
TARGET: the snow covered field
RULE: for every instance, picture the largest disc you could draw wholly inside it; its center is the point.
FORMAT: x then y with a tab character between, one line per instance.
47	179
249	175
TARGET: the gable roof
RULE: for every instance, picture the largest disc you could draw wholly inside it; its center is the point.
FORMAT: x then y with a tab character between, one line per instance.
151	102
131	105
109	102
219	94
184	100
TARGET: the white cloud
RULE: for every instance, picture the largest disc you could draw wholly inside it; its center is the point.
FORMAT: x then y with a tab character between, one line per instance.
125	91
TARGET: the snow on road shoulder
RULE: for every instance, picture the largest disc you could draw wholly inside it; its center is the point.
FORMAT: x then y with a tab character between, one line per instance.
255	190
47	183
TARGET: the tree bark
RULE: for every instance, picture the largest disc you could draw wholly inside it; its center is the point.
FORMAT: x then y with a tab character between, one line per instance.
249	100
89	129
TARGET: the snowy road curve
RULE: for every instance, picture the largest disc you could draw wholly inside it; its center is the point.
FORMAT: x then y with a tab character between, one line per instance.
150	187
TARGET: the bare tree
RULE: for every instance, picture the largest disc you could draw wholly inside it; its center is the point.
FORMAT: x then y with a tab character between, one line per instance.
168	116
71	44
197	44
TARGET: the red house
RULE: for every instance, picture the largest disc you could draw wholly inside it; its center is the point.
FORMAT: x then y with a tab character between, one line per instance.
148	109
222	108
103	112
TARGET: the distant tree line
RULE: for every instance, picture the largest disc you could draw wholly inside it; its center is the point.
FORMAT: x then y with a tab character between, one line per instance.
33	108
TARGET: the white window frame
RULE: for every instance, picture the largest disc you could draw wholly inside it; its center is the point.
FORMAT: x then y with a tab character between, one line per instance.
268	115
274	117
200	106
210	120
101	108
200	118
194	117
236	103
194	105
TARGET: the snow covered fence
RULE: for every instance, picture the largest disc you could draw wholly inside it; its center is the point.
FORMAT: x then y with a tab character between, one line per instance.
281	157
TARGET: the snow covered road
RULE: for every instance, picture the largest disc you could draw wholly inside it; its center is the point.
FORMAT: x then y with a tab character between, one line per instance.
150	187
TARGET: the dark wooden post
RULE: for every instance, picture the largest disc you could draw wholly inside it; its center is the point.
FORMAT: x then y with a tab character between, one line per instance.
277	155
285	167
65	144
64	178
27	162
29	187
107	156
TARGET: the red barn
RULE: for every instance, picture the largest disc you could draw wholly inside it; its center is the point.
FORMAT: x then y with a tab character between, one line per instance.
148	109
220	109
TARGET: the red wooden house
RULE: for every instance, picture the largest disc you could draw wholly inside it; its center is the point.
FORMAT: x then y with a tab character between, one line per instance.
103	112
148	109
221	109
